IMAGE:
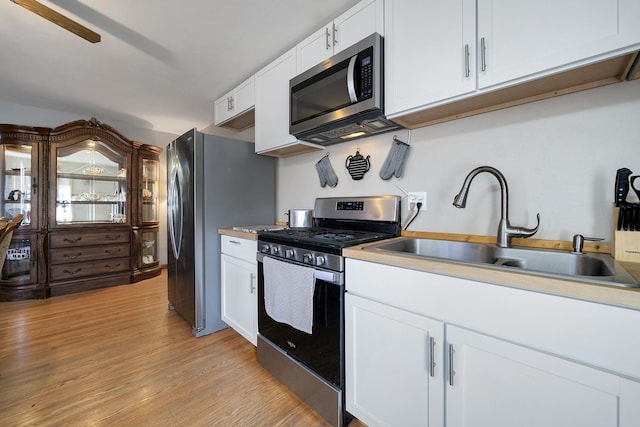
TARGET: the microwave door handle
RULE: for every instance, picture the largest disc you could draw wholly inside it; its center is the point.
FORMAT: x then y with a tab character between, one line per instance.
351	83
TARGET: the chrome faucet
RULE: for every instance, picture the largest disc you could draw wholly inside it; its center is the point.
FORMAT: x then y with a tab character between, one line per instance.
505	231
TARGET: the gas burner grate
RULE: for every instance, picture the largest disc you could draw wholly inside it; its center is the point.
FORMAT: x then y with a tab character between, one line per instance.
341	237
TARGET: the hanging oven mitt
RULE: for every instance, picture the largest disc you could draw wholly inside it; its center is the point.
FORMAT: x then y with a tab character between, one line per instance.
326	173
394	163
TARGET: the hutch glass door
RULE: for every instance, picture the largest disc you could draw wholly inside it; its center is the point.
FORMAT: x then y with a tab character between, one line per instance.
17	181
149	191
91	184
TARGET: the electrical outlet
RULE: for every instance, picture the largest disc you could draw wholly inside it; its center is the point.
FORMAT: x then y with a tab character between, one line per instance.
418	197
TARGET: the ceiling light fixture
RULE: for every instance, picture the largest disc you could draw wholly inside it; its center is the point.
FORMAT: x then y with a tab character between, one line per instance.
59	19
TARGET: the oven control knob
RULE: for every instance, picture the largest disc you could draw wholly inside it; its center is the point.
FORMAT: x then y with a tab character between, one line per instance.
288	253
264	249
320	260
307	258
274	250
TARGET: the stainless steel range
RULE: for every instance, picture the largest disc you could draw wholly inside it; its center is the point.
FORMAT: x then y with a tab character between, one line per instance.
301	296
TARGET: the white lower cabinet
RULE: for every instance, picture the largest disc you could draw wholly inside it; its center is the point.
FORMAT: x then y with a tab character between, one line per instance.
394	365
502	356
495	383
239	286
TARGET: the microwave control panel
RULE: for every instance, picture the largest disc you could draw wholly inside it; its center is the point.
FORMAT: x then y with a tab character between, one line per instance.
366	74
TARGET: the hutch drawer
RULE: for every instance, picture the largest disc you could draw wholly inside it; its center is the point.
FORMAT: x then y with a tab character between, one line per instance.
78	270
77	238
80	254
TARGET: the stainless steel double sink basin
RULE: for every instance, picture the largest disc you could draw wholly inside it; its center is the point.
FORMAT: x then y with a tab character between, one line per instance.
596	268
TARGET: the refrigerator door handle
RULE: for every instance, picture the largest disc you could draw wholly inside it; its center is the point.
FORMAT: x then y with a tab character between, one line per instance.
175	213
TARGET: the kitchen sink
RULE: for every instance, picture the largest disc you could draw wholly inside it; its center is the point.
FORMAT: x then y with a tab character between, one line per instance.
447	249
597	268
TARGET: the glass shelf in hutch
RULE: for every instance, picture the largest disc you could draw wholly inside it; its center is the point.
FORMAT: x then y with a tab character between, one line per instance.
149	191
17	182
91	184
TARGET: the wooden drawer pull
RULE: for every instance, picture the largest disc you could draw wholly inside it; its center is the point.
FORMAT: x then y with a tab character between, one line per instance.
112	251
109	237
70	256
72	273
112	266
70	240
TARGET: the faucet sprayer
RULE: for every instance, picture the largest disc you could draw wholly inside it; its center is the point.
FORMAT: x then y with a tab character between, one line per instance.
505	231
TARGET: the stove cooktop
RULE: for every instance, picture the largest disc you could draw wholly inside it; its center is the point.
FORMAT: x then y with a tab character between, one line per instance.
321	238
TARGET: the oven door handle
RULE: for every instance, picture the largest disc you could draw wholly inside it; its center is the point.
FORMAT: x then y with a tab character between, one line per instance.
332	277
328	276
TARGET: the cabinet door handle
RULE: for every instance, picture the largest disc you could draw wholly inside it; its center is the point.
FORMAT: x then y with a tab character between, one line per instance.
110	237
326	37
70	240
432	357
451	371
70	256
235	242
335	34
483	48
252	286
467	71
72	273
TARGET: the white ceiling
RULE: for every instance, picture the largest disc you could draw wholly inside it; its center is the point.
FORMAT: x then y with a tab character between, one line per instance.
160	63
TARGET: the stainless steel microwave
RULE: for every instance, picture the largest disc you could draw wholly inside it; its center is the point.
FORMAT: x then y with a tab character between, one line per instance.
342	97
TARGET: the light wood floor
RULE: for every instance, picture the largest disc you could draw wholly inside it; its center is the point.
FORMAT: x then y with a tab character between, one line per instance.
118	357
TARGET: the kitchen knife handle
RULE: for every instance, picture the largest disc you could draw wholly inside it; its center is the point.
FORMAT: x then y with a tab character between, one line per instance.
627	217
620	218
622	185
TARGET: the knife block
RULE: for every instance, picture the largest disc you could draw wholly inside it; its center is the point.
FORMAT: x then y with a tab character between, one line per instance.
626	244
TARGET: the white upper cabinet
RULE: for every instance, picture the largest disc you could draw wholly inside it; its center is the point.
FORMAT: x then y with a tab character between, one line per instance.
234	104
272	102
520	38
439	53
272	109
349	28
429	51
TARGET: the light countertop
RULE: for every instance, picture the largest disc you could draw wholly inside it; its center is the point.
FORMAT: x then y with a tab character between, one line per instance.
239	234
607	294
614	295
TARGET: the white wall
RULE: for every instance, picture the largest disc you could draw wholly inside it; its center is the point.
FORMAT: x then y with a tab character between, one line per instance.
559	157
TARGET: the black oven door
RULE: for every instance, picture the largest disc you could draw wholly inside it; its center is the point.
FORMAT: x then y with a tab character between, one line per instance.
323	350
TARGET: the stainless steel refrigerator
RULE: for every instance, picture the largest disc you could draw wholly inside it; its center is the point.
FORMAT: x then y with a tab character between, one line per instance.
213	182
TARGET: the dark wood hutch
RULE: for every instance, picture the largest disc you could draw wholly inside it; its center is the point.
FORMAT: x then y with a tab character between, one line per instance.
89	199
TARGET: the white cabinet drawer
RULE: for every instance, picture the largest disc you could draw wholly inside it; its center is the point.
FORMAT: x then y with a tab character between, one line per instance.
244	249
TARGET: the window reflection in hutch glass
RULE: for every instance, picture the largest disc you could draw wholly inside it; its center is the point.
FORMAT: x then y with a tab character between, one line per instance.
91	184
17	182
